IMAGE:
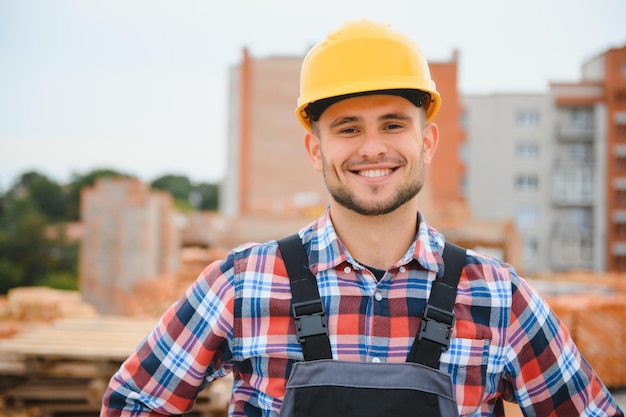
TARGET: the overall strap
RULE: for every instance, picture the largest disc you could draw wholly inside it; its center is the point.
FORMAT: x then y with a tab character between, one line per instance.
436	328
306	305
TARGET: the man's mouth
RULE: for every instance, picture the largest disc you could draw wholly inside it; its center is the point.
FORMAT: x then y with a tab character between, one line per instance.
375	173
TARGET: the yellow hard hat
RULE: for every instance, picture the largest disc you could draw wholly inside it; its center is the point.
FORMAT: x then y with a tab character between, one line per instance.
364	57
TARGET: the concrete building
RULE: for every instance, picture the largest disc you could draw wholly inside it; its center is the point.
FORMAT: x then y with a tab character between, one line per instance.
559	160
509	153
129	237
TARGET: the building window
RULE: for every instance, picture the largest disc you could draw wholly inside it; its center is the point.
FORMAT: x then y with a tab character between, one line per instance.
620	262
464	152
580	152
620	230
527	118
620	164
620	97
579	219
581	118
624	69
464	120
464	186
526	183
531	248
527	151
526	216
573	184
620	133
620	198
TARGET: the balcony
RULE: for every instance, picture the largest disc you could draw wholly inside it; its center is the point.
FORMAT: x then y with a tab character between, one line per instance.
573	185
572	249
573	133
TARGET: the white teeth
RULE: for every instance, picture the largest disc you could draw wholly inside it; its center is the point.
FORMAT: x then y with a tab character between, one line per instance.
373	173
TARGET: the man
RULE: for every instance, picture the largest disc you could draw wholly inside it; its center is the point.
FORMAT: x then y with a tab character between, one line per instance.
367	102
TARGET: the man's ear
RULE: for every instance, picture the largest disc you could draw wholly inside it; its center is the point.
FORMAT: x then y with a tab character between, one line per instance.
313	148
431	140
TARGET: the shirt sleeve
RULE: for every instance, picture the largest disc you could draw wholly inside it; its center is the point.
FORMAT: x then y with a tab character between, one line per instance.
546	374
189	347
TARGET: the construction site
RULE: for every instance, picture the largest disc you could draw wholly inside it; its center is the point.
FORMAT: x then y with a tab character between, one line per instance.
58	349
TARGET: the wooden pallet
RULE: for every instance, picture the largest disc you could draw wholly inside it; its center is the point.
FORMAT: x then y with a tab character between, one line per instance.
63	368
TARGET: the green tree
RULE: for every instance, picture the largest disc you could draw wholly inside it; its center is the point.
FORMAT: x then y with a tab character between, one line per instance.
62	261
24	246
47	195
205	196
10	273
179	186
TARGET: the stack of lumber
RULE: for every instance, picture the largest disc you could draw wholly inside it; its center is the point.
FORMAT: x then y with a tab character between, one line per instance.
45	304
62	368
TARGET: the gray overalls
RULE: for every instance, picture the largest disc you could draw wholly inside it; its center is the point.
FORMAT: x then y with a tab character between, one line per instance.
323	387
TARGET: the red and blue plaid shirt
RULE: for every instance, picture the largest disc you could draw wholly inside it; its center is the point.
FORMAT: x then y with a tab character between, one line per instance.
236	318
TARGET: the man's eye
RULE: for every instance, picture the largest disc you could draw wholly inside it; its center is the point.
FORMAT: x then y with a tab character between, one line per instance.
392	126
348	131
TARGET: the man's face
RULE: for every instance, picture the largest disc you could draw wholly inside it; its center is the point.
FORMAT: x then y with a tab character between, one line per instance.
372	151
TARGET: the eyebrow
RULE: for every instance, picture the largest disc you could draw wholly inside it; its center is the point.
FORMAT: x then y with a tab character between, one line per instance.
395	116
351	119
343	120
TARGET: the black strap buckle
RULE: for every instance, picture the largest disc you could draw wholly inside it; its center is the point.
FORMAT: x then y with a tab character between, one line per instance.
310	319
437	326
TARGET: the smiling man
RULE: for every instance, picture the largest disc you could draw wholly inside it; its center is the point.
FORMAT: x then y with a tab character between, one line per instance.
373	155
367	311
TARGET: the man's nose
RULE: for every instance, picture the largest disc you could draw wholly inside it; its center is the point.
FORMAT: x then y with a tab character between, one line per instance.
372	145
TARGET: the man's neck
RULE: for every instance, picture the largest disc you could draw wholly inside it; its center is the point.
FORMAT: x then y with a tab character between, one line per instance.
376	241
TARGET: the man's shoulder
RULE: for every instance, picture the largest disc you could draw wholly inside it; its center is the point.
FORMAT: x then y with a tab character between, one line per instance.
487	266
252	248
487	276
253	255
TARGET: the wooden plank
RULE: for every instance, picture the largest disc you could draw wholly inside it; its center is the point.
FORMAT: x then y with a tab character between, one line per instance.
54	390
12	364
70	368
64	396
110	338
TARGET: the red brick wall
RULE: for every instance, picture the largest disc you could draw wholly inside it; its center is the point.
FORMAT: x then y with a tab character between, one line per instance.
615	98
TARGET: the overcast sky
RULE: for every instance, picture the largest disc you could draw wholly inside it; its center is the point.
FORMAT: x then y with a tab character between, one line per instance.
141	85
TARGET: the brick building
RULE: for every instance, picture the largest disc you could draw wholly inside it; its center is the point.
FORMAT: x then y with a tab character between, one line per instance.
592	125
129	237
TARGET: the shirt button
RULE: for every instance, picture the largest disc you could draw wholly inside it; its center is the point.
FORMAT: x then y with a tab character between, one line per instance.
378	296
347	269
376	360
403	269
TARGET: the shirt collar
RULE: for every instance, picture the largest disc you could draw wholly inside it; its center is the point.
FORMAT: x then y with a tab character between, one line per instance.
326	250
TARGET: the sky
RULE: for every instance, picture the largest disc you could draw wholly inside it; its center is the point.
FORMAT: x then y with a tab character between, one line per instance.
141	86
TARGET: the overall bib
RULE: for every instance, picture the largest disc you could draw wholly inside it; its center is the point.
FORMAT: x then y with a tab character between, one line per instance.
323	387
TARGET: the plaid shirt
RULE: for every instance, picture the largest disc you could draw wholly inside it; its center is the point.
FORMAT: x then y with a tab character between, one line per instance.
506	342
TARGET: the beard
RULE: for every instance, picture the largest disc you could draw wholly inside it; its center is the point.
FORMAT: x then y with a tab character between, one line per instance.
347	198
